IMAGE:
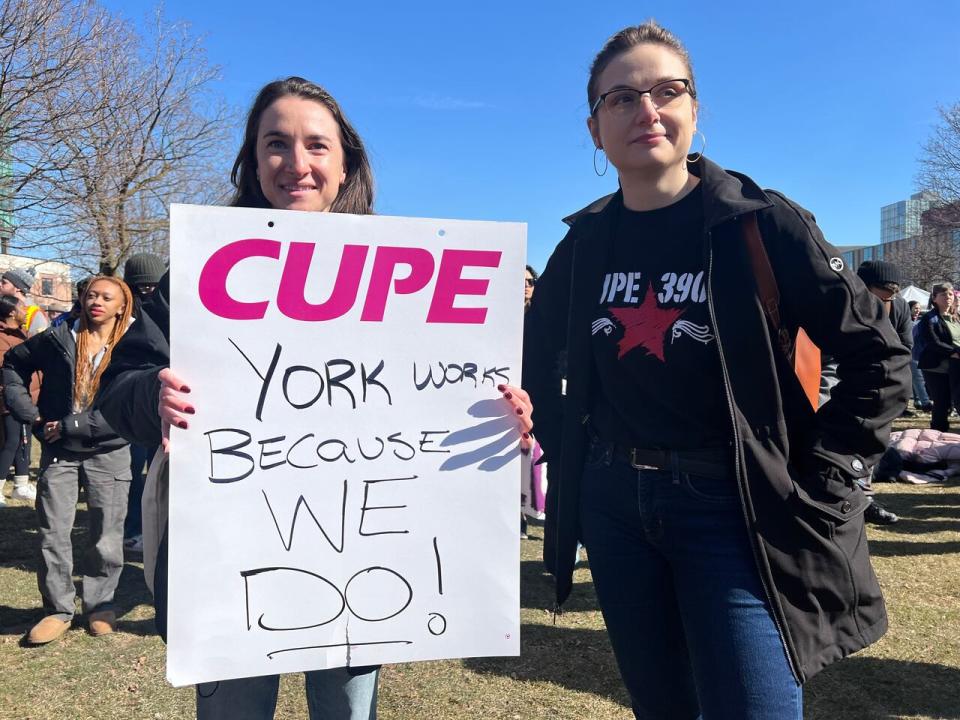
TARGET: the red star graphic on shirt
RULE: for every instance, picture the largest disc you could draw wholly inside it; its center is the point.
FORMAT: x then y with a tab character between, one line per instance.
645	326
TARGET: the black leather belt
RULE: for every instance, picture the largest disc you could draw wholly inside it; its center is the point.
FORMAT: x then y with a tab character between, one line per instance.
709	462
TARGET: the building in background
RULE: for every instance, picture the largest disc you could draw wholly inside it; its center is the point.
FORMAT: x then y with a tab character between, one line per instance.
919	235
53	287
904	219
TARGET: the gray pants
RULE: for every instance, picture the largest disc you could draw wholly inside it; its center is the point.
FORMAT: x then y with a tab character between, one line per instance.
106	478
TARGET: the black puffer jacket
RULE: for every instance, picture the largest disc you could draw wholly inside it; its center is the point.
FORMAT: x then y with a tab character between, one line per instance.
795	468
54	353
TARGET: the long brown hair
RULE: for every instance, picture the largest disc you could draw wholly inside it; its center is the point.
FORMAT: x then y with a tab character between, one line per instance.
356	192
85	382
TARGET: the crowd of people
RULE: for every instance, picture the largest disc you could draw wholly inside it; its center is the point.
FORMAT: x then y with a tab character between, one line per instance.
722	512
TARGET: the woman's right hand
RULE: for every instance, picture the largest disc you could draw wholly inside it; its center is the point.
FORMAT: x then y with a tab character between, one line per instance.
173	402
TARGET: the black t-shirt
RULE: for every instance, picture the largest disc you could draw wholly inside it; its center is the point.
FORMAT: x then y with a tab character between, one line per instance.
653	341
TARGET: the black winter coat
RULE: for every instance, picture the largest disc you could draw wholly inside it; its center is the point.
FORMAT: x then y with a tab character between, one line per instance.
796	468
935	341
54	353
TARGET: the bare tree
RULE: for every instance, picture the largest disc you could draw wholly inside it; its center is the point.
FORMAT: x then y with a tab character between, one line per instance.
927	258
935	255
152	132
45	46
151	144
940	161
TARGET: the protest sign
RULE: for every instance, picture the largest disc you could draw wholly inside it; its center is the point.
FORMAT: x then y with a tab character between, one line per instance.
348	490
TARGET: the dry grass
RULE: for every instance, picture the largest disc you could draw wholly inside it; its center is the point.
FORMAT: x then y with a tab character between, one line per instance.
566	670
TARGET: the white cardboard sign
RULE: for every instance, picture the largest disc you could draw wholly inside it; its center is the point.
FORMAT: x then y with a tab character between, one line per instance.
348	490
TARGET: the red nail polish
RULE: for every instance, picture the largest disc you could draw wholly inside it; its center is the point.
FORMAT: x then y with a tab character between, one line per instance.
519	411
507	395
184	388
501	388
526	436
182	424
190	410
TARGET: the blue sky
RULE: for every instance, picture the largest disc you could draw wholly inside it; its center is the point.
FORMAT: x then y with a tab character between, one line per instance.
477	111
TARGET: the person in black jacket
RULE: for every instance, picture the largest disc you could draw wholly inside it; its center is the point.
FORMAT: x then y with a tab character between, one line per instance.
299	152
77	444
720	511
938	335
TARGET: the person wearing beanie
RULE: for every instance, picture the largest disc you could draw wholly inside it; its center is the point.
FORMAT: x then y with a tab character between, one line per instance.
16	282
883	280
142	272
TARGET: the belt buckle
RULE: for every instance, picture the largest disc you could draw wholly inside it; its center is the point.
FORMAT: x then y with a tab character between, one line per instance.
639	466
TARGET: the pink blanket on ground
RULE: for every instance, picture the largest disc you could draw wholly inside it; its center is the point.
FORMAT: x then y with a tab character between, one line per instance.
927	445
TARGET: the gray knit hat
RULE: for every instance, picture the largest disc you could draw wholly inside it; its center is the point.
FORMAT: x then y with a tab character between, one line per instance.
22	278
143	269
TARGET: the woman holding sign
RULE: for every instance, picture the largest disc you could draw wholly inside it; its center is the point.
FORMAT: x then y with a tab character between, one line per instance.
720	512
77	446
299	153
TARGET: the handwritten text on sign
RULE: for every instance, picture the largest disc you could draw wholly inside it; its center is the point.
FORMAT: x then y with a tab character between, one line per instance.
347	491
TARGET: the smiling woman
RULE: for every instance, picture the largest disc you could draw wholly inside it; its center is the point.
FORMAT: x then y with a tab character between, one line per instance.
300	152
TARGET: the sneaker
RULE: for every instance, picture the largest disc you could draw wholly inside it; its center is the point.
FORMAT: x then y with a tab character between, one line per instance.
879	515
102	622
24	492
47	630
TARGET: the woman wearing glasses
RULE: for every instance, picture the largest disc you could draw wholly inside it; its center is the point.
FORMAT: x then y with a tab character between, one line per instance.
721	515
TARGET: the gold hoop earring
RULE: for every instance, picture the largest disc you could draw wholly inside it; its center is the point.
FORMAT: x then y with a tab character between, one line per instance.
691	158
606	162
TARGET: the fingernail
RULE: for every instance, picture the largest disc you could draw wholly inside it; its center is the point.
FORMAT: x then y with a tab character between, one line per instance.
526	436
184	388
182	424
501	388
519	411
189	410
508	395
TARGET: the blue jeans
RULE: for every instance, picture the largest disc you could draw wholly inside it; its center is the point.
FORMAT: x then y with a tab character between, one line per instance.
920	397
681	596
334	694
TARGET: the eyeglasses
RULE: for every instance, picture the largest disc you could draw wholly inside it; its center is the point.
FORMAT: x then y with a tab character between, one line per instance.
531	281
626	101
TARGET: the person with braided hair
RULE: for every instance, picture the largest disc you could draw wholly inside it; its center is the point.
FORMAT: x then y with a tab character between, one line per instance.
77	444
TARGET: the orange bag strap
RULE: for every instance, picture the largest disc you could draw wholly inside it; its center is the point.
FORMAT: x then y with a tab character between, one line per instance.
800	351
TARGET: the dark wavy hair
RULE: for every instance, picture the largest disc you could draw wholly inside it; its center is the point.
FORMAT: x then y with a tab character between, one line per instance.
356	192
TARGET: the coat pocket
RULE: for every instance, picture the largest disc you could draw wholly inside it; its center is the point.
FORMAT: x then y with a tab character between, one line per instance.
834	501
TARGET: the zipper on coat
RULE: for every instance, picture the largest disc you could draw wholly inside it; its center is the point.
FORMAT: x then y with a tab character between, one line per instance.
570	318
737	448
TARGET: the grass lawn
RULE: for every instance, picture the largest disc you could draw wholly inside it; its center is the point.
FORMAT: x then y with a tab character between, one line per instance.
566	669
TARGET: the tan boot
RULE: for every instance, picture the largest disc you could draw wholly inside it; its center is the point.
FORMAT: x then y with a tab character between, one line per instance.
47	630
102	622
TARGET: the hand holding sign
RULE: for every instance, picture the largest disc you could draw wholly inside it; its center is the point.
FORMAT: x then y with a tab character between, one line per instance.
172	403
518	398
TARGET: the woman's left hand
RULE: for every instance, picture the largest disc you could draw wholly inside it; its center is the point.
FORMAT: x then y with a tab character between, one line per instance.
520	401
